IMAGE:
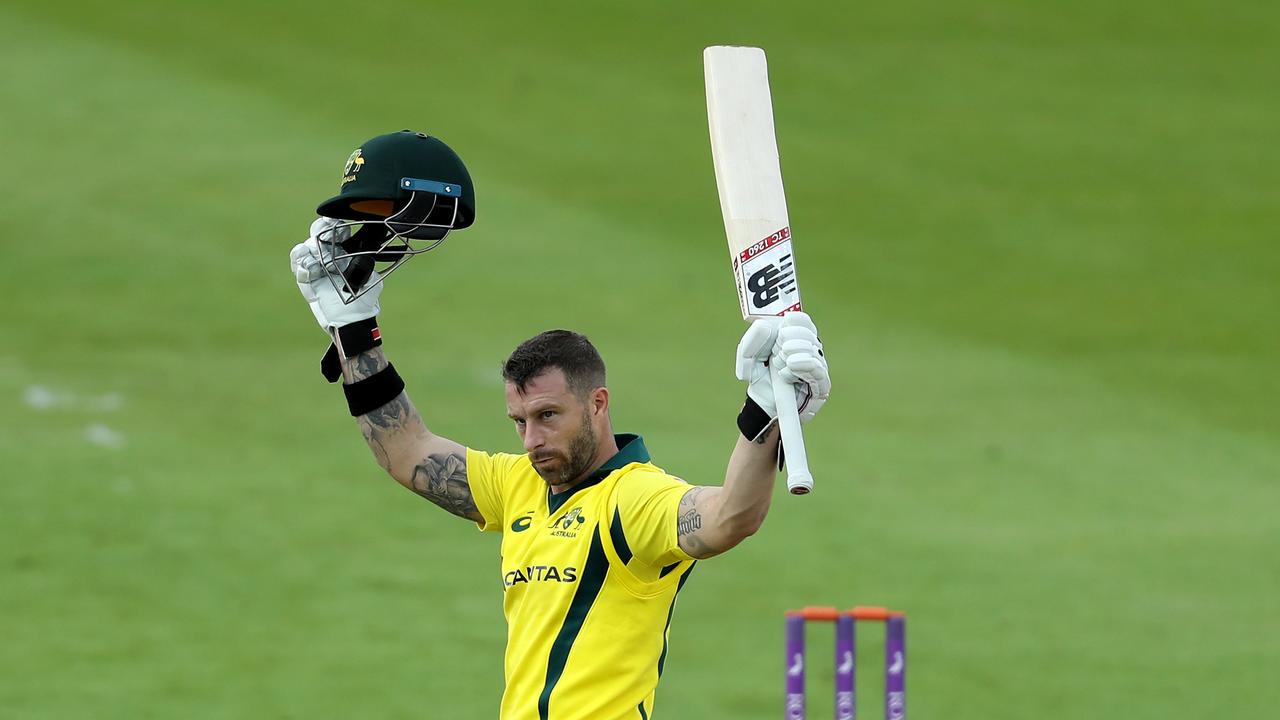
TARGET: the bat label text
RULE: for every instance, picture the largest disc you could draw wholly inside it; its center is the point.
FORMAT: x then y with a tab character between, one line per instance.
767	276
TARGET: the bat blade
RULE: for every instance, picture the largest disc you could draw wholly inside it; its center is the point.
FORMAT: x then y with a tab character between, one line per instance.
753	202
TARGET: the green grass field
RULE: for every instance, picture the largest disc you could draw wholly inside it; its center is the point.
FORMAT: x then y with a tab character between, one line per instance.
1040	240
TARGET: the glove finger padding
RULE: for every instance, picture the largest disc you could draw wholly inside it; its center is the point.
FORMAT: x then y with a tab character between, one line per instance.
800	361
799	346
796	338
302	262
306	261
758	339
799	319
803	367
755	347
321	224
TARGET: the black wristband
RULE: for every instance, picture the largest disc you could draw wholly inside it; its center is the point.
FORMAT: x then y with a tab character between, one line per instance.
753	422
355	338
374	391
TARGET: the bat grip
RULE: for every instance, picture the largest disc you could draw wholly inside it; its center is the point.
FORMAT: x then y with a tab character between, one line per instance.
799	480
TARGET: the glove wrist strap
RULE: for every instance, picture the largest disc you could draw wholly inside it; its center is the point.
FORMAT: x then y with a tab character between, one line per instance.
753	421
353	339
373	392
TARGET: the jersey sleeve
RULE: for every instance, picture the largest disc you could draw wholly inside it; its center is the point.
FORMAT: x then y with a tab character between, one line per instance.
648	504
487	477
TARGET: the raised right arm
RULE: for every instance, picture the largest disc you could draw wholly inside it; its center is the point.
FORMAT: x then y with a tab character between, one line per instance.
432	466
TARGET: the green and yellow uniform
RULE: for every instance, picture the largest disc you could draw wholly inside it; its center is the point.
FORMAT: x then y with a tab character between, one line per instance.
590	578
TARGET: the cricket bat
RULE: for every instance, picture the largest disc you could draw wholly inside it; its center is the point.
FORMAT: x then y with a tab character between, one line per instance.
745	153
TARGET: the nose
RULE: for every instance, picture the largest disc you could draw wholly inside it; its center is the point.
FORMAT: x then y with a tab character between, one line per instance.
533	439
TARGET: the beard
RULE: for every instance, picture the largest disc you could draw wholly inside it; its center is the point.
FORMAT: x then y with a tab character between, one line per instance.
581	453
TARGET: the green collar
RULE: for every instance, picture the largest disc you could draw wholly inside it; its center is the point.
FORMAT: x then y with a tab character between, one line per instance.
630	449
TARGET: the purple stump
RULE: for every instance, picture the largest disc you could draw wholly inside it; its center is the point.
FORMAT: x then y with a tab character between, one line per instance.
795	667
846	707
895	668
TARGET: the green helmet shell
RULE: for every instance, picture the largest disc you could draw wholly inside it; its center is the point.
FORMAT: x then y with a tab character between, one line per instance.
375	171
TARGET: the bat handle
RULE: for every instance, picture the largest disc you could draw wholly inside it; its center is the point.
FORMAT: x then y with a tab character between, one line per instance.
799	480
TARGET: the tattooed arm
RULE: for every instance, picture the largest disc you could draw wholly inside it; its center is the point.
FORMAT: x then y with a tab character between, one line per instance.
429	465
712	520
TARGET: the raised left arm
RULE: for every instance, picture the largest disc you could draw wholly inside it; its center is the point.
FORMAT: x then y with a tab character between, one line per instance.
714	519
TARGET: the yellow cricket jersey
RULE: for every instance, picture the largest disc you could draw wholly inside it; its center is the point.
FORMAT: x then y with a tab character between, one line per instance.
590	578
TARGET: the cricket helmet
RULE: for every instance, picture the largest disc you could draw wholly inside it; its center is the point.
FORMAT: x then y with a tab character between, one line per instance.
401	194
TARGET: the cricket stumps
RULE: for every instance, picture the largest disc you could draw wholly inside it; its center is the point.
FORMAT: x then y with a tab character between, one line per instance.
895	659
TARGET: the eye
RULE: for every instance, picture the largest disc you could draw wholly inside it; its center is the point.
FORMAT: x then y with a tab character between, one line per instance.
519	422
547	414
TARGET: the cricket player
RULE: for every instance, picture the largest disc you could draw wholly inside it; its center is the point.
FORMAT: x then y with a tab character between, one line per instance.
597	540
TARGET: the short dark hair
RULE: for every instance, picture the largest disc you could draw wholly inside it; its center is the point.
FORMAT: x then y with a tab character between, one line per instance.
572	352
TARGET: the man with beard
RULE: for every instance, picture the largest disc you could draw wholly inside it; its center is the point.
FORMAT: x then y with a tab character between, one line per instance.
596	539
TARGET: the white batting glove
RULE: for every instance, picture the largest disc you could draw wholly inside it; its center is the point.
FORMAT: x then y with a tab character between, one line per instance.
797	353
754	350
791	344
317	285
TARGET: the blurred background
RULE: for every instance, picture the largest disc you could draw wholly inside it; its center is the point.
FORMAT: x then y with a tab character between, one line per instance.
1040	240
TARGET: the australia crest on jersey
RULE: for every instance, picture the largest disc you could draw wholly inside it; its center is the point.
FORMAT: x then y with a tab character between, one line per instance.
567	525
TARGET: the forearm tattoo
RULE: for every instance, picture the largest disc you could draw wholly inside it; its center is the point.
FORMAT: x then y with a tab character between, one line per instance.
688	522
442	479
379	425
363	365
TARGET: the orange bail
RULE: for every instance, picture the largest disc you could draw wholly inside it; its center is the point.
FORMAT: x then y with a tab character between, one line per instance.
831	614
874	613
827	614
